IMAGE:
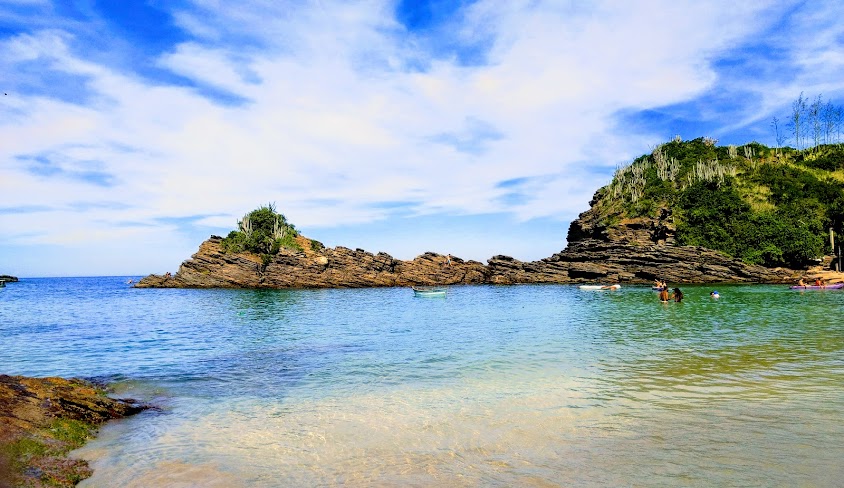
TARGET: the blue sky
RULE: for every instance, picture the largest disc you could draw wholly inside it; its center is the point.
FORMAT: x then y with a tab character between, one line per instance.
132	130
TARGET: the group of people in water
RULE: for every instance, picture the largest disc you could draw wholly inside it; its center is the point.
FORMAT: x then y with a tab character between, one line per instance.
664	297
675	294
818	282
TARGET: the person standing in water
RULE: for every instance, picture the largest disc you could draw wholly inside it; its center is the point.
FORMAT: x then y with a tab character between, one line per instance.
663	295
677	295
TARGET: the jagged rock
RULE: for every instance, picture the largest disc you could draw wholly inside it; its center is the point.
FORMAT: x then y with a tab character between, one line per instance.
8	278
592	260
339	267
602	247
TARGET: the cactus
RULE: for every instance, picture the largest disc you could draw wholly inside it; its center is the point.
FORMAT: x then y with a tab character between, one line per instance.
246	225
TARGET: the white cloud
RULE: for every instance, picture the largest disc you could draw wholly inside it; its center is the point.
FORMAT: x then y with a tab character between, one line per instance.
333	123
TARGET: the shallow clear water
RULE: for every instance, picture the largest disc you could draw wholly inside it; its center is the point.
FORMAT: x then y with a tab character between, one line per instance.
490	386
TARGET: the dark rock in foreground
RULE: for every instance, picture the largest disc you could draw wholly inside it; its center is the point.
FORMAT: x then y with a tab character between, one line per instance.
42	419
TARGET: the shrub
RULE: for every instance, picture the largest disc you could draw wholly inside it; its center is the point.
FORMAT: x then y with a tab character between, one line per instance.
262	231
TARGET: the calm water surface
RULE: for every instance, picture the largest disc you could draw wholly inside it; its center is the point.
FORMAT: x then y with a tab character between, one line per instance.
491	386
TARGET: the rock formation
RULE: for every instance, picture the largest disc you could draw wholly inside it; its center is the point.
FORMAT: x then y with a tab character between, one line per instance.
41	419
636	250
339	267
603	247
8	278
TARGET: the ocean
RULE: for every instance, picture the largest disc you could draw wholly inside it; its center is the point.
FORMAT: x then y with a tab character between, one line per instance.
528	385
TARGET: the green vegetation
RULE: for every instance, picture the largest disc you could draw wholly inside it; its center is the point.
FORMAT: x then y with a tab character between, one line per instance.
74	433
316	245
22	450
766	206
43	453
262	231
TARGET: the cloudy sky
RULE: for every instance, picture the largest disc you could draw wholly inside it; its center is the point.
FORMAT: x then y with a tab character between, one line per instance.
132	130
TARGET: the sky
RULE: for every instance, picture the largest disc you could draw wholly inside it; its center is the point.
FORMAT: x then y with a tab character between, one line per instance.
132	130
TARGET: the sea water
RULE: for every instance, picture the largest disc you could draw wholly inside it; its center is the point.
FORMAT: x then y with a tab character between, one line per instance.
544	385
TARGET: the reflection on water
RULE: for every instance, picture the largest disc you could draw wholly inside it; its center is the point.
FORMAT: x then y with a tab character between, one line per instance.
493	386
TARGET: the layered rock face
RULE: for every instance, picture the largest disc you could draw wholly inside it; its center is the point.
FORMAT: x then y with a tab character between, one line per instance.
629	251
339	267
590	261
604	248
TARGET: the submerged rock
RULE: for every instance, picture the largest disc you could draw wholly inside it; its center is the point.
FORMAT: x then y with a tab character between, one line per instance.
42	419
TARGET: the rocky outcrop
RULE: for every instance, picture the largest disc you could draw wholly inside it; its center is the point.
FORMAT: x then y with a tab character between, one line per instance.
42	419
8	278
590	261
603	246
339	267
603	224
584	261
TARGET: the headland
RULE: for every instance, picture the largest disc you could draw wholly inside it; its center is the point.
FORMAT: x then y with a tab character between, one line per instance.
688	212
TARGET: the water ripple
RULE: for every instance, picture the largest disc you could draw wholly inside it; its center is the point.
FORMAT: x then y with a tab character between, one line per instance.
491	386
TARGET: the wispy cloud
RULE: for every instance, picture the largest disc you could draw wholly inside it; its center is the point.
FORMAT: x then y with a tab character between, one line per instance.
333	110
473	138
25	209
87	171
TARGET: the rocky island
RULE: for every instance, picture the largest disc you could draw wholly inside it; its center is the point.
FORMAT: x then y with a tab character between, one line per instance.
689	212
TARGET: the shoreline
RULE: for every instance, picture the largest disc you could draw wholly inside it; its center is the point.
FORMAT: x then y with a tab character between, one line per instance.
43	419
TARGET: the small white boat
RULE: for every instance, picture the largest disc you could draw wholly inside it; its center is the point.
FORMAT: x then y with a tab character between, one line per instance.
429	291
599	287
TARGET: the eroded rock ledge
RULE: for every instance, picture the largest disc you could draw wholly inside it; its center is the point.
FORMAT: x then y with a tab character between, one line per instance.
42	419
339	267
583	261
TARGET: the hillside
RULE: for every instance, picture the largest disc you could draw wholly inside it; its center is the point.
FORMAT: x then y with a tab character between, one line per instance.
765	206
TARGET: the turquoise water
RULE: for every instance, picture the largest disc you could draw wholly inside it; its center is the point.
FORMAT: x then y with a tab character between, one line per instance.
490	386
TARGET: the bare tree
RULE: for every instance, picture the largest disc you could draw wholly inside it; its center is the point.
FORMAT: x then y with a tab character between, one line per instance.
798	109
780	137
828	119
815	120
